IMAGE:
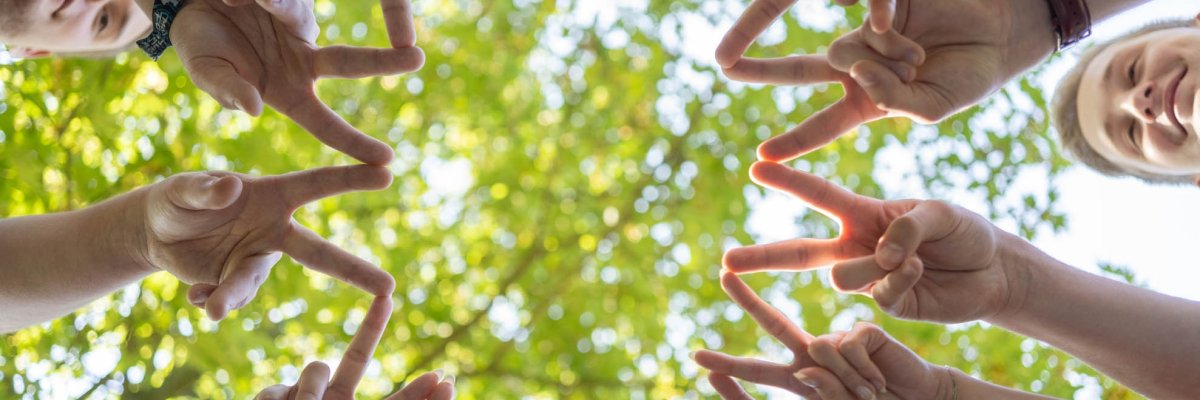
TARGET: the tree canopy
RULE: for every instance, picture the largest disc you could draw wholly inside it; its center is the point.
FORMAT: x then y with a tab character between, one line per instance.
568	175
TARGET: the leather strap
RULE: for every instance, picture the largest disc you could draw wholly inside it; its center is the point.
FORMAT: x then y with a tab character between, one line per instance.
1072	21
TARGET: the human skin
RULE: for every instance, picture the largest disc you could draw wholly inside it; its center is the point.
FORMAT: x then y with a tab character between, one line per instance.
315	382
857	364
218	231
965	50
59	26
246	55
1137	103
971	270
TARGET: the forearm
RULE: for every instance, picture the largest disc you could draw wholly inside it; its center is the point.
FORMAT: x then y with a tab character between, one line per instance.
53	264
1032	38
1143	339
1105	9
966	387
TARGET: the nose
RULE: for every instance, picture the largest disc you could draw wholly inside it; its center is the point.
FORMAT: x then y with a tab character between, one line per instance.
1142	102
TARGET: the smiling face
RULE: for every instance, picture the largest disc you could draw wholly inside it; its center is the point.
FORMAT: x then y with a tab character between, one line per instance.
1137	102
72	26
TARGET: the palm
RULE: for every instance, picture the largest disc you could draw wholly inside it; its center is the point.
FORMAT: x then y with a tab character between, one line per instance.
244	56
961	280
222	232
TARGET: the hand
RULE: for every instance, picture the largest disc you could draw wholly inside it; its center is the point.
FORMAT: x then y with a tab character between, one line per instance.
858	364
939	58
923	260
314	383
245	55
222	232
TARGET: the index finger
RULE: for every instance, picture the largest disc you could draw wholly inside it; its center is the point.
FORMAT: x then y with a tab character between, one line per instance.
883	14
822	195
303	187
397	15
794	70
728	388
820	129
312	251
330	128
362	347
748	27
770	319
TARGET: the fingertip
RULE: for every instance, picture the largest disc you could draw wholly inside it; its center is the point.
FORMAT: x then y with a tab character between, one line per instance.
198	294
225	191
376	177
380	154
216	310
767	172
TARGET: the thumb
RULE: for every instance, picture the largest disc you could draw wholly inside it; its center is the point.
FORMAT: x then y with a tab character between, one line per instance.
201	191
220	79
891	94
240	284
928	221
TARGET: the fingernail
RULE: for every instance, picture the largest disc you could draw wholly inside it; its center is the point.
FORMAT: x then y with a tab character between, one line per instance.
238	105
866	79
912	57
199	300
439	373
892	255
692	355
880	387
805	379
450	380
865	394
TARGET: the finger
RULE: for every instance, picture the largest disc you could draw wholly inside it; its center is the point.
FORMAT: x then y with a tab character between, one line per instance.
857	347
856	275
751	370
756	19
794	70
888	92
239	285
846	3
420	388
791	255
818	130
238	3
894	46
727	387
359	62
313	381
329	127
199	293
296	15
199	191
362	347
820	194
303	187
770	319
444	390
274	392
846	52
824	350
894	293
397	15
310	250
927	222
219	78
824	383
883	14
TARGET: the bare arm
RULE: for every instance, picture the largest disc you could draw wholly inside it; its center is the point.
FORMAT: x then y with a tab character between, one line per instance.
1143	339
56	263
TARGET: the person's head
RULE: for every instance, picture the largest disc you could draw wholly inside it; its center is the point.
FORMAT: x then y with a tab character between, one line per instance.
34	28
1129	106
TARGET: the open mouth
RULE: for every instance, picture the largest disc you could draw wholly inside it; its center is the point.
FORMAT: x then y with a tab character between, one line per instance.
1169	96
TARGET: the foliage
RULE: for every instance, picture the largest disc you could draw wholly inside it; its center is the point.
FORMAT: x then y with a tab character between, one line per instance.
567	179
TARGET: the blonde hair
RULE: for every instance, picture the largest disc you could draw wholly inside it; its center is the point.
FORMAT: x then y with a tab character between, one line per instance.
1064	114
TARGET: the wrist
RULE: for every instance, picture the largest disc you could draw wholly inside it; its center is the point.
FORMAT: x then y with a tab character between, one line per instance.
120	223
1031	35
1024	267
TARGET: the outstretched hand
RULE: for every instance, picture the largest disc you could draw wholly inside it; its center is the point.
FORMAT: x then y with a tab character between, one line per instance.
859	364
922	260
245	55
222	232
315	384
924	61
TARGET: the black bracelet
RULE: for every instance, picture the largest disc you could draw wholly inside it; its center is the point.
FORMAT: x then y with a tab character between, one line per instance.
160	38
1072	21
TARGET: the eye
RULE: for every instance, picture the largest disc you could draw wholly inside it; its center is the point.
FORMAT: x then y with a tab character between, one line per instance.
1133	136
1133	70
102	22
